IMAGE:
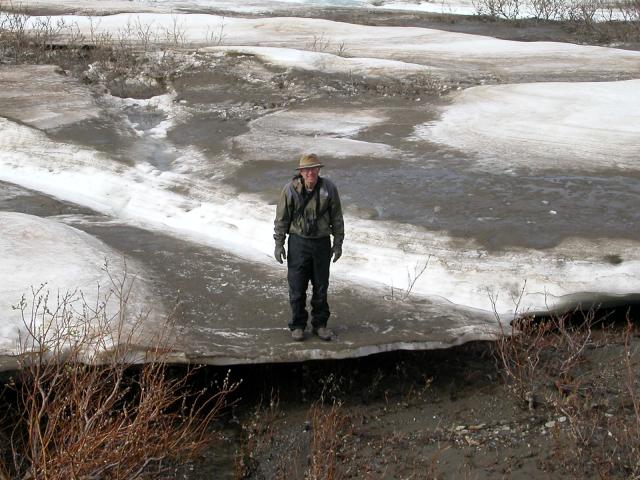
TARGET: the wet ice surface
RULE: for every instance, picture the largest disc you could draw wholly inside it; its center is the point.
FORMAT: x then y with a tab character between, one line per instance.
186	182
48	266
234	312
58	100
230	311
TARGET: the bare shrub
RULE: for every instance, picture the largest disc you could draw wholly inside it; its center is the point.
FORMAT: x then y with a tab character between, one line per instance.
587	376
603	417
628	25
508	9
630	11
548	9
341	51
258	434
603	21
217	35
583	12
412	277
14	32
319	43
176	34
598	21
130	63
144	34
328	424
85	410
518	353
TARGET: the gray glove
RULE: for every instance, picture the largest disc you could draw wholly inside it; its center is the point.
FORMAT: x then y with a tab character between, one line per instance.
279	253
336	252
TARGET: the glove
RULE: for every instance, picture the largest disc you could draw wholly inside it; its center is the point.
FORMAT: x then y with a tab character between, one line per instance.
279	253
336	252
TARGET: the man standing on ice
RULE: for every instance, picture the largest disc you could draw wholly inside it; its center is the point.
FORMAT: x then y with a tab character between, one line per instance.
309	211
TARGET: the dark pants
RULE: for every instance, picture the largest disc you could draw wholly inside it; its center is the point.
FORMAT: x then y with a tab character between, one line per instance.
308	259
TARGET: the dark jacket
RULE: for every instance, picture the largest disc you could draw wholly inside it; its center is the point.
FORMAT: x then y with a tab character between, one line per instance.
324	201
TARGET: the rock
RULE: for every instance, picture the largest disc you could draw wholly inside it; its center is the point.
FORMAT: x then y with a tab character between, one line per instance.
477	427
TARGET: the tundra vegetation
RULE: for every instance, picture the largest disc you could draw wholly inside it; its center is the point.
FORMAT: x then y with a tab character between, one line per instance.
136	61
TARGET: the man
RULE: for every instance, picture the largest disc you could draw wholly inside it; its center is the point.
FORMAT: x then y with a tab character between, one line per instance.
309	211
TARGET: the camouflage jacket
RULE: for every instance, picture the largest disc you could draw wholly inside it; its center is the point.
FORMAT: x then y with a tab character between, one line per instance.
324	201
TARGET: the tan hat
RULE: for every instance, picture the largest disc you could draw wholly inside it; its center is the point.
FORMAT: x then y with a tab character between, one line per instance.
309	160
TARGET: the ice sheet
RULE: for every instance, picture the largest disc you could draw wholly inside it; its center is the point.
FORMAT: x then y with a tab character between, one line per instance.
379	254
451	7
37	251
570	126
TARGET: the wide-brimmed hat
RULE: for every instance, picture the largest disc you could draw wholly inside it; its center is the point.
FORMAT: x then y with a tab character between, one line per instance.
309	160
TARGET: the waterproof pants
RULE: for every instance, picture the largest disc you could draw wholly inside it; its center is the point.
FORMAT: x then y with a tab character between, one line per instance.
308	259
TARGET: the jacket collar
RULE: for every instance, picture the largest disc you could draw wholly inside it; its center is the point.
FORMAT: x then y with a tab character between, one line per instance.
298	184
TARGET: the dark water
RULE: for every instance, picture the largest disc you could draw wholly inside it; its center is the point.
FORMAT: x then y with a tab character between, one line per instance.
430	185
425	185
499	210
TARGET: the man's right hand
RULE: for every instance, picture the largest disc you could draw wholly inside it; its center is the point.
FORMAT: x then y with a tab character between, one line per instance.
279	253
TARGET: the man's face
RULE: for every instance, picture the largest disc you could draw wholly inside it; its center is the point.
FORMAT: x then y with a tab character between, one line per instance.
310	176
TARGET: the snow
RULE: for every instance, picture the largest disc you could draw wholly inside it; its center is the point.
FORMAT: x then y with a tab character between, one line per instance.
572	126
443	6
451	7
64	260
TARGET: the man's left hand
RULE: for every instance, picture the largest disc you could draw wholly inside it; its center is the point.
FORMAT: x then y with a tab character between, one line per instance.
336	252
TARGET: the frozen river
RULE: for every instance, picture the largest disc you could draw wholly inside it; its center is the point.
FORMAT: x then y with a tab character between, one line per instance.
526	189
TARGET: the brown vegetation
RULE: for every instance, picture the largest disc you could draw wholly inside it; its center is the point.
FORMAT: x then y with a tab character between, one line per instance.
557	397
602	21
84	410
586	373
135	62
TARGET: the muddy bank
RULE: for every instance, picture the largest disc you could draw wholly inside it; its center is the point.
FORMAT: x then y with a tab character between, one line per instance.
447	414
